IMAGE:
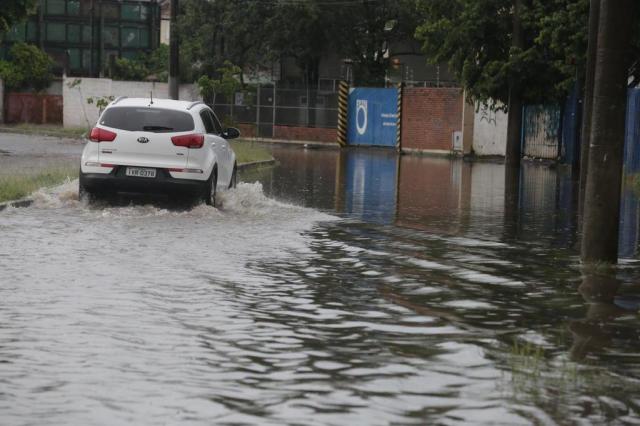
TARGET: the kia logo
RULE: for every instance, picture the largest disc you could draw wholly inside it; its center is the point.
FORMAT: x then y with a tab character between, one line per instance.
142	139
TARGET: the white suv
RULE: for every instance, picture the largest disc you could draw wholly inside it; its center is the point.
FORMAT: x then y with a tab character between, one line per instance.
159	145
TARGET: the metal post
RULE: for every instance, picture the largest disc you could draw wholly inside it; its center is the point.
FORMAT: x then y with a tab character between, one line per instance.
258	113
273	124
173	52
343	102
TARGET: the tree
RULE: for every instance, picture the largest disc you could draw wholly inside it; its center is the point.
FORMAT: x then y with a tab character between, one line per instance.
13	11
29	68
364	31
507	52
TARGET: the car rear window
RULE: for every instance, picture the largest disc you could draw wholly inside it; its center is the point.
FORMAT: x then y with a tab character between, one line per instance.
147	119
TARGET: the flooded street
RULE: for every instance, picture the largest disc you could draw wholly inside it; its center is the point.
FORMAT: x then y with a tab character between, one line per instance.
353	287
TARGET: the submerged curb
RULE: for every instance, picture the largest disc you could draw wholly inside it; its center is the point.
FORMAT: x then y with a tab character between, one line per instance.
253	164
26	202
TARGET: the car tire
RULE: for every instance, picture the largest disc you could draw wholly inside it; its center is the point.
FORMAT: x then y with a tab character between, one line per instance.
234	177
211	188
83	193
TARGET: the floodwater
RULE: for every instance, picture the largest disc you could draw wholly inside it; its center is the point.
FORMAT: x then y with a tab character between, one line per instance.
354	288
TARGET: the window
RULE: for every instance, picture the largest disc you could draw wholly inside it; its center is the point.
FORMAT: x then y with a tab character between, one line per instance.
55	7
75	60
130	37
32	31
55	32
144	12
73	33
111	36
73	7
216	123
130	12
207	121
17	33
110	11
135	119
86	34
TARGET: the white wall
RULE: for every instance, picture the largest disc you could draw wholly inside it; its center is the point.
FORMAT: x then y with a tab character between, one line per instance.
489	132
78	113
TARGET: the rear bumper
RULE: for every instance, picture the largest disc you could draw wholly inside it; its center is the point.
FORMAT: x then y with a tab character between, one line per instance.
163	183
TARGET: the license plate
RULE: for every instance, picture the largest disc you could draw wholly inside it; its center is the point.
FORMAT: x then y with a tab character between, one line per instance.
138	172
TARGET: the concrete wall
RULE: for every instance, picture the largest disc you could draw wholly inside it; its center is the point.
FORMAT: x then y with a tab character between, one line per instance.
489	132
78	113
430	115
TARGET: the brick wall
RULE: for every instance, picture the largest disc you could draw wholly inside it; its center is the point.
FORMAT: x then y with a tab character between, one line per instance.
247	130
311	134
430	115
33	108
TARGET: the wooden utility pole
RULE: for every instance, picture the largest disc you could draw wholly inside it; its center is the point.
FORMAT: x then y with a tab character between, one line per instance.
173	52
587	106
606	147
514	121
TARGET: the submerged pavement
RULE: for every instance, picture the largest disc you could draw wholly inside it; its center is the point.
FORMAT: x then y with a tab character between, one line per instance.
353	287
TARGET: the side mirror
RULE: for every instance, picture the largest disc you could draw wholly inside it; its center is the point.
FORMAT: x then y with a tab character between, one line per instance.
231	133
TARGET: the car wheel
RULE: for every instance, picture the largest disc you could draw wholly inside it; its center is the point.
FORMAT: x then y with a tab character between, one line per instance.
234	177
210	189
83	193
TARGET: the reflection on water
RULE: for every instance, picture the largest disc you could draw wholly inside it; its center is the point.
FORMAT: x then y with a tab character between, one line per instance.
366	289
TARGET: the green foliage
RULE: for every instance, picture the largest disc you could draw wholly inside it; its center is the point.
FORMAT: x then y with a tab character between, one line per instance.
254	33
154	64
475	38
100	101
13	11
227	83
29	68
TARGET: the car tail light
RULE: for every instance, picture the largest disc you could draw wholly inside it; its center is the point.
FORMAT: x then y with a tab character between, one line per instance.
101	135
188	141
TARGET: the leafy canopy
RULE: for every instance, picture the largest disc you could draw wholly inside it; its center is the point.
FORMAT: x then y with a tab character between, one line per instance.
475	38
13	11
28	68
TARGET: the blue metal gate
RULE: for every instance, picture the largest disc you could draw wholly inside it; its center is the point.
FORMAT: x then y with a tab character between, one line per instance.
372	117
540	132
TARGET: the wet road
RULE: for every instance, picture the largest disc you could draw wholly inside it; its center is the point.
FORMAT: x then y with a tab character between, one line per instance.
335	288
28	154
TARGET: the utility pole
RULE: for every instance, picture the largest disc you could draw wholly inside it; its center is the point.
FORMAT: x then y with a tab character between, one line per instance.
173	52
606	147
587	106
514	121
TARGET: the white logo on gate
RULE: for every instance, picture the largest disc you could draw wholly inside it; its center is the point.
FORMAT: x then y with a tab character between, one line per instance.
361	105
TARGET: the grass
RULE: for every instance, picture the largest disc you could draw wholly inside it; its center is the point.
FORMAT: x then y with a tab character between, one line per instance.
248	152
45	130
20	186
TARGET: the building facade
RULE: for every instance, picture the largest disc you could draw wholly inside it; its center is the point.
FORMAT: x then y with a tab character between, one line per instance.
82	36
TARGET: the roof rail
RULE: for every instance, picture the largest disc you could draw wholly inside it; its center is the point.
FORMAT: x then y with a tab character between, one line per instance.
192	104
118	99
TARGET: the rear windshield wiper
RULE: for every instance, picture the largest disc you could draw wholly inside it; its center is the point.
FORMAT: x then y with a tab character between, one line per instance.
157	128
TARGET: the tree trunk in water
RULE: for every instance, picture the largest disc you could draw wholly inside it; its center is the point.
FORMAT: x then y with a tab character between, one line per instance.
514	122
587	107
606	146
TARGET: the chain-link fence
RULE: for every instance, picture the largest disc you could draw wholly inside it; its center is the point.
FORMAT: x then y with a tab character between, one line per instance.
267	107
